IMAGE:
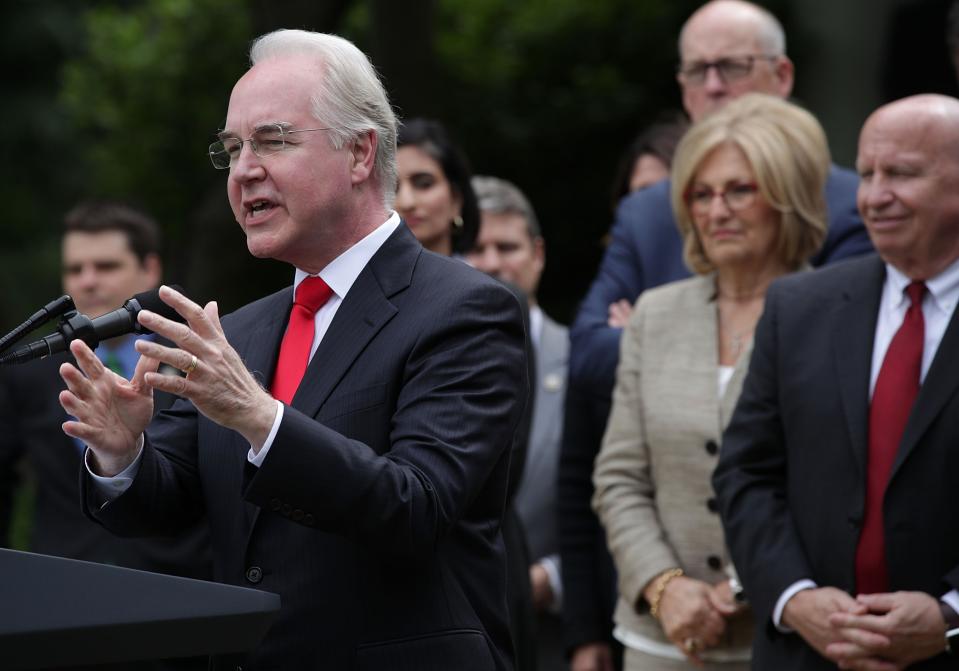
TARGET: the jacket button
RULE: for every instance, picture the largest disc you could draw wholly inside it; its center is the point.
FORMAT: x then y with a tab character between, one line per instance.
712	447
712	505
275	504
286	510
309	520
714	562
254	574
297	515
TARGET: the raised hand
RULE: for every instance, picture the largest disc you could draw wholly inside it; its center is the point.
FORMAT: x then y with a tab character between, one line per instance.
218	381
110	412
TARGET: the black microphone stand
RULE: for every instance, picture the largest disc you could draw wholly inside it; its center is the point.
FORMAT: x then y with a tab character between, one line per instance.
61	307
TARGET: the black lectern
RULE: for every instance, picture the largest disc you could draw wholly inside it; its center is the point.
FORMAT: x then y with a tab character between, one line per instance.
57	613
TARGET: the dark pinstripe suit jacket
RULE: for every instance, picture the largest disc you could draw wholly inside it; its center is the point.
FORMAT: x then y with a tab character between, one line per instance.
376	514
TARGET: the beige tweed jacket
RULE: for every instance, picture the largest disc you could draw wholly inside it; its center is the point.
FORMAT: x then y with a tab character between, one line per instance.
652	475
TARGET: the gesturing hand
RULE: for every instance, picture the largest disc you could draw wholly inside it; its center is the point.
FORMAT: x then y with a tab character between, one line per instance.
218	383
110	412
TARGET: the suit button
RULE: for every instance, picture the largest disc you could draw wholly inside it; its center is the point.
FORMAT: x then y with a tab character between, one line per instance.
712	505
254	574
297	515
275	504
309	520
714	562
286	510
712	447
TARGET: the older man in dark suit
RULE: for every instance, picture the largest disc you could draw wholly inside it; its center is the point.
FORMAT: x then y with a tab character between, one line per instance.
837	472
367	485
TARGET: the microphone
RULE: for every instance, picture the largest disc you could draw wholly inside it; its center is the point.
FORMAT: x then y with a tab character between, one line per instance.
51	310
121	321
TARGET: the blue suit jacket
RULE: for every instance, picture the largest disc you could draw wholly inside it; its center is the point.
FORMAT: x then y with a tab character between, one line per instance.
646	251
376	514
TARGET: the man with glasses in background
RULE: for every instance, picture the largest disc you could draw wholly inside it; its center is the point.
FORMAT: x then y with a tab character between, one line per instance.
727	48
348	437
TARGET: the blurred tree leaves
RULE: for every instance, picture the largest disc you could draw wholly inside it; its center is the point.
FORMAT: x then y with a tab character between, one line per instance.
544	92
146	96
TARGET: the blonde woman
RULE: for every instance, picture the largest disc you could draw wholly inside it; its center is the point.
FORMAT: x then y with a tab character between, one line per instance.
747	190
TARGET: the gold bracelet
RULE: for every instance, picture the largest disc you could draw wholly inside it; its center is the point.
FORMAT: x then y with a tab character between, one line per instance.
660	588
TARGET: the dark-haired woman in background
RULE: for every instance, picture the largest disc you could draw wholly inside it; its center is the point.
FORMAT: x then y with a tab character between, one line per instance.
433	192
436	200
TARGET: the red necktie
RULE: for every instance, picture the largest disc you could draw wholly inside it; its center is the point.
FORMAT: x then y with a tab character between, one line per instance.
311	295
896	389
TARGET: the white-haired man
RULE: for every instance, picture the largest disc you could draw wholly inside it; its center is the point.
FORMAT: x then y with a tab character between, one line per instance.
348	437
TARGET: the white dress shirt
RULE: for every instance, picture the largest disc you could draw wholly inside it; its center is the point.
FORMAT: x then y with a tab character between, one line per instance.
339	275
938	305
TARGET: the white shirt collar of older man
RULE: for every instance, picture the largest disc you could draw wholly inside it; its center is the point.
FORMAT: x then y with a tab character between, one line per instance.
937	307
341	273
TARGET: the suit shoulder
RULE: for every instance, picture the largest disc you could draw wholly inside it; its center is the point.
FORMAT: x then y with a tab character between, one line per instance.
830	279
441	275
692	291
651	203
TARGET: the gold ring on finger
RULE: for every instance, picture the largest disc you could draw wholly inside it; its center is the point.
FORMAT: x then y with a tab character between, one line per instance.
192	367
691	645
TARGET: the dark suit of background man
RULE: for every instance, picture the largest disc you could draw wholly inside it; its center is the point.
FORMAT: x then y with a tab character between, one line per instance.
370	497
110	252
838	471
727	48
510	246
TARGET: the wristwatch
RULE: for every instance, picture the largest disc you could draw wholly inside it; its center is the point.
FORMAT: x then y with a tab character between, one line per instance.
952	627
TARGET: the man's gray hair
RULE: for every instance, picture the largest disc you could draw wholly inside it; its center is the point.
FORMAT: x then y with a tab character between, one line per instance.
498	196
770	34
349	95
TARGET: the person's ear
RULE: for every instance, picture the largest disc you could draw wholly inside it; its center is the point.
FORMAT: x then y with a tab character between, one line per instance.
363	155
785	75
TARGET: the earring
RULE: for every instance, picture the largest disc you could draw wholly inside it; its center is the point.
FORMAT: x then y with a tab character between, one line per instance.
458	222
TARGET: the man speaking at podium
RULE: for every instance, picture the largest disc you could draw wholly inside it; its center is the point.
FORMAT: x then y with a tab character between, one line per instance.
350	446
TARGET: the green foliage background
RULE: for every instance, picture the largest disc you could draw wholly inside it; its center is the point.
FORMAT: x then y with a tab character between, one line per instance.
544	92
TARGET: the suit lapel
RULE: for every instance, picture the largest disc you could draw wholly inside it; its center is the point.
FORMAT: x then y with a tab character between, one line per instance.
699	343
552	353
940	385
854	330
727	404
363	312
551	360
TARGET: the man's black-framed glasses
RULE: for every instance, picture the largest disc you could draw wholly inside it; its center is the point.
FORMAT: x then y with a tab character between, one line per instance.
266	140
729	69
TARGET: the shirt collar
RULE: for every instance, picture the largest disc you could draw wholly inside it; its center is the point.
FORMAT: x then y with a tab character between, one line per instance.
535	324
943	288
341	272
